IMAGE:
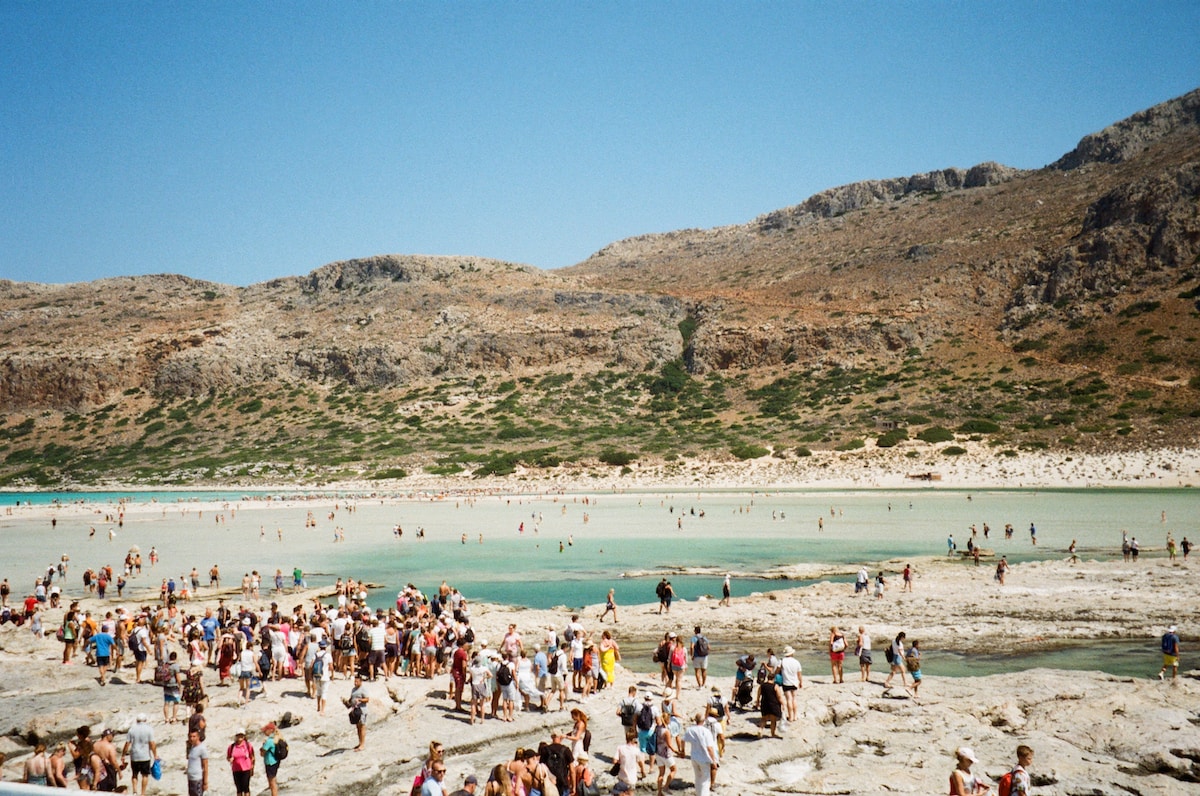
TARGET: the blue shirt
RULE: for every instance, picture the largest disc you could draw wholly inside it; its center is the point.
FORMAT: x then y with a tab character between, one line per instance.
209	623
103	642
543	665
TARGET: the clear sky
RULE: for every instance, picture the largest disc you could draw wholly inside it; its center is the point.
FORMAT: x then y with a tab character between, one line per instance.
244	141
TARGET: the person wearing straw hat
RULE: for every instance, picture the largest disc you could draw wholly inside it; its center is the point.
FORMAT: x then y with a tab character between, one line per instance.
791	680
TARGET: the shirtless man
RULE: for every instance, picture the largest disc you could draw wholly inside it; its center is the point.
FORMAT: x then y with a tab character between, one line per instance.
104	756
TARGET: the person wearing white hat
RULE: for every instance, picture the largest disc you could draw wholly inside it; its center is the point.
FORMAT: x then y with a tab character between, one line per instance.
1170	651
962	781
792	680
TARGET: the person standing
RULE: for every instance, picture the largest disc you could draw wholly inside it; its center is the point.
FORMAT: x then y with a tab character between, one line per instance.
861	580
837	654
700	650
240	755
791	680
141	749
862	649
357	702
197	765
908	576
702	748
1170	651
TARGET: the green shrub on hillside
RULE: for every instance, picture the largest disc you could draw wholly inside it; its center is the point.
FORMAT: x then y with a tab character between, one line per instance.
936	434
953	450
748	450
978	426
891	439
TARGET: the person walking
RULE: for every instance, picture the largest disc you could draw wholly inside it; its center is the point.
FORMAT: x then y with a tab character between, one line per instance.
197	765
271	749
141	750
1170	651
896	660
240	755
702	749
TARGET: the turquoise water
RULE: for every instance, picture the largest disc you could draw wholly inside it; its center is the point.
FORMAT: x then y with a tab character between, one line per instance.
1121	658
623	541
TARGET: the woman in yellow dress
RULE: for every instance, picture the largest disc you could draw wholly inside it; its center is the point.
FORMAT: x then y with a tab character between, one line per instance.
610	653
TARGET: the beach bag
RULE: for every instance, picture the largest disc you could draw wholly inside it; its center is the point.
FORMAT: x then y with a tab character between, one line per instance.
890	654
156	769
356	715
702	648
912	663
838	645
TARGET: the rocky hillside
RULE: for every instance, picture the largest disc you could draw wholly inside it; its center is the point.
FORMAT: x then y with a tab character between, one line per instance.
1051	308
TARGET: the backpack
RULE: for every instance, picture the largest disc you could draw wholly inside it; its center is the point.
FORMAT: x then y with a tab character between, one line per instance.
761	676
318	668
1004	786
504	674
1168	645
162	674
469	635
702	647
135	646
645	719
569	633
628	710
678	657
281	750
661	589
552	668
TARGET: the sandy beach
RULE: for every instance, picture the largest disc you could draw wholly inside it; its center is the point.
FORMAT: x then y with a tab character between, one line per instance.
1093	732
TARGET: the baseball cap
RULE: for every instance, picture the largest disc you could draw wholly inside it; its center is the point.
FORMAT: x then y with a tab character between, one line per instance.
967	753
470	780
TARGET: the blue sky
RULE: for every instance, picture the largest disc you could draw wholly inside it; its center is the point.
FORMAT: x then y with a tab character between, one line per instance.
240	142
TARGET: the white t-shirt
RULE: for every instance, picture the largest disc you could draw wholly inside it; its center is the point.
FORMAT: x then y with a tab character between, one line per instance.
790	671
627	761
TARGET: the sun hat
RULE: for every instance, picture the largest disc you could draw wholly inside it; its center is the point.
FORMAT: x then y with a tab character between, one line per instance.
966	753
1171	629
788	651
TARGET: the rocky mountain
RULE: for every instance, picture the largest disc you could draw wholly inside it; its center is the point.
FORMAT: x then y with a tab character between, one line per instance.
1057	307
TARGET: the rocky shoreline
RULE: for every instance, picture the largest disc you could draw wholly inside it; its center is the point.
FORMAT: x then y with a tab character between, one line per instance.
1094	733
